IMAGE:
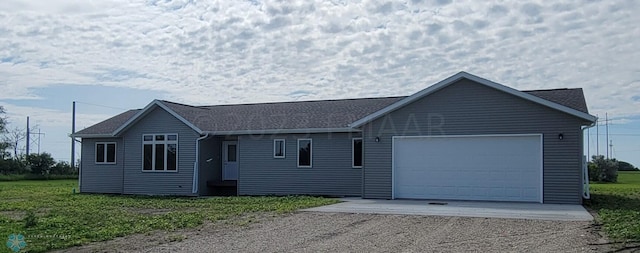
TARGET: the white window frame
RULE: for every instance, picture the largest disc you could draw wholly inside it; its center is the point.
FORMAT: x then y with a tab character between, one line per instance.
310	154
284	145
105	143
353	153
153	143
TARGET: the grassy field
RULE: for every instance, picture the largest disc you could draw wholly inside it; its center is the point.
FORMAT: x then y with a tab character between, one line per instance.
618	206
50	216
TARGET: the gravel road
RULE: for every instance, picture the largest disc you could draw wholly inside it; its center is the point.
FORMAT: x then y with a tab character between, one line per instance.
339	232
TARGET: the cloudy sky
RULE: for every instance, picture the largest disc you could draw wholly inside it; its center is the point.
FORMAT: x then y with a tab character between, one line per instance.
113	55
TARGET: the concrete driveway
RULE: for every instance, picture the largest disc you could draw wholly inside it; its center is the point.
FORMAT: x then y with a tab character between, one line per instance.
460	208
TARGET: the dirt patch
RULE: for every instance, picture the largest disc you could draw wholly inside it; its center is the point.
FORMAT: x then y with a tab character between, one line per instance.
341	232
143	242
14	215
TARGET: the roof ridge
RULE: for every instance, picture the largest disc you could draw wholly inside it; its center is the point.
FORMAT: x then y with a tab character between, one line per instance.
305	101
175	103
552	89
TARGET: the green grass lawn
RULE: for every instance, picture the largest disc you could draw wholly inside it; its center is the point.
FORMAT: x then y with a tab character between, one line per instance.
64	219
618	206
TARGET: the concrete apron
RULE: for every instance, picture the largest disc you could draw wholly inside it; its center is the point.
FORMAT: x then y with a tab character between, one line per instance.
510	210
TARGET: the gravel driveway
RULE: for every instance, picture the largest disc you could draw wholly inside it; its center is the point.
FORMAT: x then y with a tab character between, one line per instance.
340	232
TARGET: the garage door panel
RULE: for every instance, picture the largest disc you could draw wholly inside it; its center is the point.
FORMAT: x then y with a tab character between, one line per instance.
504	168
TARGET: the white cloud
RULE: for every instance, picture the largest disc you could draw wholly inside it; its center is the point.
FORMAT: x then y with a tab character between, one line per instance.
209	52
43	116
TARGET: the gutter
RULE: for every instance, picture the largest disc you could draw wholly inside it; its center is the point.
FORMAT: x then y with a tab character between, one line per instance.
585	170
196	164
286	131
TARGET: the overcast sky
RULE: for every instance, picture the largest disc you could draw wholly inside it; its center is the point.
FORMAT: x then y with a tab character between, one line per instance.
116	55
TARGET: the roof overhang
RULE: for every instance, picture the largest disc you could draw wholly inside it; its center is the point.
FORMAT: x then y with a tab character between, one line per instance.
286	131
147	109
464	75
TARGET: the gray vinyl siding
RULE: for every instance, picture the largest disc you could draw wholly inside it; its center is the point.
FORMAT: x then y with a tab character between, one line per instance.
158	121
467	108
101	178
331	172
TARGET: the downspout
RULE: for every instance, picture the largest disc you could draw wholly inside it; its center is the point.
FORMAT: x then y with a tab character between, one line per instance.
585	170
196	164
80	164
124	151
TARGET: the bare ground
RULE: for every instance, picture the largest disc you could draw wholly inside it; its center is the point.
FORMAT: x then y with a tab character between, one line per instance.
340	232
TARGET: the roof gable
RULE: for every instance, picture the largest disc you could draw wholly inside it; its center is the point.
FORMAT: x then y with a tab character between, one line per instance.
452	79
154	104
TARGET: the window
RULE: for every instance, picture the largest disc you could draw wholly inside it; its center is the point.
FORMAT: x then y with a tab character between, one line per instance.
105	153
160	152
356	147
304	153
278	148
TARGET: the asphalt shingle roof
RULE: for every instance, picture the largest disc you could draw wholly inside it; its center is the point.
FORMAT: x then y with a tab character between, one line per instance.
287	115
299	115
572	98
109	125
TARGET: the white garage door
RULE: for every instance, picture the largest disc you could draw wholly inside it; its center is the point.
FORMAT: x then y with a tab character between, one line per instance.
496	168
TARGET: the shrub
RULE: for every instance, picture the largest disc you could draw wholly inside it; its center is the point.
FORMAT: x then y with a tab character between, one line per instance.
603	170
62	168
13	166
40	164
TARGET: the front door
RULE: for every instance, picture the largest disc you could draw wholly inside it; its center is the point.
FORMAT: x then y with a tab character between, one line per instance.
230	160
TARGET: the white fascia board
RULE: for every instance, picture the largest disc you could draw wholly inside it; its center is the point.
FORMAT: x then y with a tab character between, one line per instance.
452	79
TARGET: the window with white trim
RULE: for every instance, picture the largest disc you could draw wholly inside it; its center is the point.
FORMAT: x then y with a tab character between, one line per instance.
160	152
356	152
305	153
105	153
278	148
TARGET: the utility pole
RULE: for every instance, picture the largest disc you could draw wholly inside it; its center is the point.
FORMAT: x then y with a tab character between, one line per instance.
73	139
597	136
39	134
606	121
588	143
28	135
611	145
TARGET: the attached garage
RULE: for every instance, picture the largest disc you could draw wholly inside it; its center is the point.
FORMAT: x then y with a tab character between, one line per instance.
477	167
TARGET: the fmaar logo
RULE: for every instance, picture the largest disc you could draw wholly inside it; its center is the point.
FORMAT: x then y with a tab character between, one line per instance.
16	242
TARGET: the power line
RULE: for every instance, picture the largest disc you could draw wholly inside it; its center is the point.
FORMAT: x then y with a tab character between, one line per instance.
105	106
624	134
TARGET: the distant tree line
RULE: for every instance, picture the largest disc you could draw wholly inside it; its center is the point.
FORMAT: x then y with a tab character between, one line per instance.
603	169
36	165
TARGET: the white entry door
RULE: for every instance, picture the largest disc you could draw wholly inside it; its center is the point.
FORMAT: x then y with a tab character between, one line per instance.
494	168
230	160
